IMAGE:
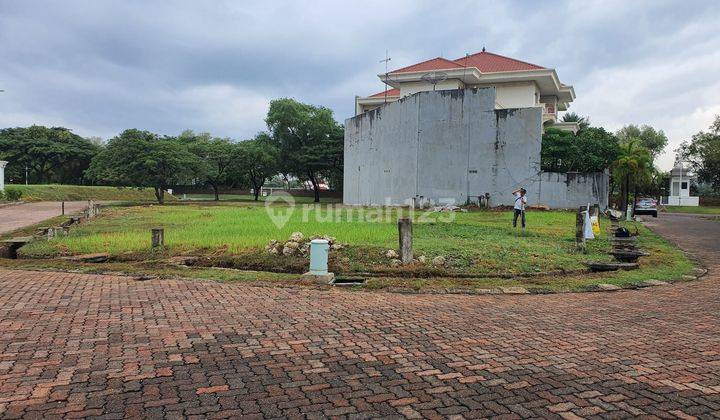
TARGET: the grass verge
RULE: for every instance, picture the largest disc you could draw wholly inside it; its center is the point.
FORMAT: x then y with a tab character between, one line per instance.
246	198
482	246
693	209
81	192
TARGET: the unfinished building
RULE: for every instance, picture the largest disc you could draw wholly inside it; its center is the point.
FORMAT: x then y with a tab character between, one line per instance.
455	147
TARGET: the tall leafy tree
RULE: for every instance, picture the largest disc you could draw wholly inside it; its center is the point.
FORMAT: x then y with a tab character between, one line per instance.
138	158
559	150
650	138
597	149
309	140
256	160
51	154
634	163
702	152
215	156
590	150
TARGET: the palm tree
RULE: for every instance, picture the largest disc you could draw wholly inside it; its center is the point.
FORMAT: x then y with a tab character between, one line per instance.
583	122
634	162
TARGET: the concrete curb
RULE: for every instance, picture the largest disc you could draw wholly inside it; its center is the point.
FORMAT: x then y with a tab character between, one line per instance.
13	203
502	290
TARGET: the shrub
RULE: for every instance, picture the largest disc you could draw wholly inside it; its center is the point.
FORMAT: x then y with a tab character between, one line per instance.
12	194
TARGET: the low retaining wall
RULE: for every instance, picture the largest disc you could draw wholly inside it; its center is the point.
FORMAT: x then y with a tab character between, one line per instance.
179	191
710	201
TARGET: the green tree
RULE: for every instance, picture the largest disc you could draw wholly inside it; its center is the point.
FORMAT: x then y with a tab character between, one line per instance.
653	140
583	122
634	163
309	140
256	160
138	158
702	152
50	154
597	150
215	156
559	150
590	150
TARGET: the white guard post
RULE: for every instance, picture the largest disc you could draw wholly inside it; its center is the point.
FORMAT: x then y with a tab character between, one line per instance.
2	174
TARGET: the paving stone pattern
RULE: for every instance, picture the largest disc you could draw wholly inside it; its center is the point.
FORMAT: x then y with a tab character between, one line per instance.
75	345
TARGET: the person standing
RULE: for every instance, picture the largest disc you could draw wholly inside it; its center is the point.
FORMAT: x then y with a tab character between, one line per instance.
519	207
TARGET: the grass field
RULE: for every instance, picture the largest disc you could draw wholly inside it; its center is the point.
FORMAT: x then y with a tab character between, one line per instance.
478	243
80	192
693	209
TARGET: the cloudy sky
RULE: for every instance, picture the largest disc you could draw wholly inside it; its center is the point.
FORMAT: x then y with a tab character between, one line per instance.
101	66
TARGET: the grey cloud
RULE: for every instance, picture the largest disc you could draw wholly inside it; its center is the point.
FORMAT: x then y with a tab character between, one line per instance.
102	66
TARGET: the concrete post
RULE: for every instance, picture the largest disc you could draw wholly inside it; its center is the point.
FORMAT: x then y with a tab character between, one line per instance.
405	235
579	231
2	174
158	237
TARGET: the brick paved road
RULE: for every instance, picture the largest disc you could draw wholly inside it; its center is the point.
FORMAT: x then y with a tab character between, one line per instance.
77	345
80	345
21	215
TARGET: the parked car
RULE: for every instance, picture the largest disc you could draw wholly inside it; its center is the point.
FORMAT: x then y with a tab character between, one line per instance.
646	205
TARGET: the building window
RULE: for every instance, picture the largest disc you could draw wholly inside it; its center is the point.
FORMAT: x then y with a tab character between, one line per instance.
684	186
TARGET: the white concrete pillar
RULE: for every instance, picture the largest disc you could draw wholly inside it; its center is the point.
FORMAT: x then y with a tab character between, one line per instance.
2	174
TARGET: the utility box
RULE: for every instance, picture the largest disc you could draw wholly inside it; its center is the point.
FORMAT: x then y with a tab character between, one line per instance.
319	252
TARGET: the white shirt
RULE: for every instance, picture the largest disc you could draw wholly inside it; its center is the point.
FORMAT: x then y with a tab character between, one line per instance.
520	201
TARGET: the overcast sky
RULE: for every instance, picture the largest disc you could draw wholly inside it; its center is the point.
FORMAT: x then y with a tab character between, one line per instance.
99	67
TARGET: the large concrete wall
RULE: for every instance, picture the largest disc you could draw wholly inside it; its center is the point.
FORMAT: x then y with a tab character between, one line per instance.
571	190
443	146
452	146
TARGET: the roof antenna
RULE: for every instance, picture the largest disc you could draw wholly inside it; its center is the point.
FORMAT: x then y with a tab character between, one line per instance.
434	77
465	68
386	72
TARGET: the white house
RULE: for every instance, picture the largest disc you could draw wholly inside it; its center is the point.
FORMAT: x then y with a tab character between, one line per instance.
680	179
517	84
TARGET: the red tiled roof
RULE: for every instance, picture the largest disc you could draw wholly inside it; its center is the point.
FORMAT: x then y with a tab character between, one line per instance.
438	63
492	63
390	92
485	61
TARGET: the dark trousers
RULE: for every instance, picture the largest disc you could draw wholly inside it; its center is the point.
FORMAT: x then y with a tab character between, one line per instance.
515	217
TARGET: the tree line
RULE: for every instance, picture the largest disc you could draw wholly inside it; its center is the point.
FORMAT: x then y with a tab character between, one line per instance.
630	154
702	152
303	141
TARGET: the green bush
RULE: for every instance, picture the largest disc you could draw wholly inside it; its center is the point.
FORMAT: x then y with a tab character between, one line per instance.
11	194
